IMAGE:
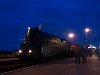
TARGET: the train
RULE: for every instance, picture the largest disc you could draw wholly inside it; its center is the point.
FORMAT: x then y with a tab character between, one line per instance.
39	45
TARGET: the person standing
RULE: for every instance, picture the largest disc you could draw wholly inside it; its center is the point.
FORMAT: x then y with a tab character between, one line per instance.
78	55
84	55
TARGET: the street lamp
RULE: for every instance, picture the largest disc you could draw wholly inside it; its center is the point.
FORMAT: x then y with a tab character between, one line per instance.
87	30
28	31
72	38
71	35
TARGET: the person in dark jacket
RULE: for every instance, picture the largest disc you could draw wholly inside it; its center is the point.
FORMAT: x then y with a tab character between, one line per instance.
78	56
84	54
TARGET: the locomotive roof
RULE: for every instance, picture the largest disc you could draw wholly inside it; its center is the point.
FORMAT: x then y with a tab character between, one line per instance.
35	34
42	33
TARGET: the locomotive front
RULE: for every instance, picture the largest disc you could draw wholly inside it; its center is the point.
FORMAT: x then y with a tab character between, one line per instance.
25	51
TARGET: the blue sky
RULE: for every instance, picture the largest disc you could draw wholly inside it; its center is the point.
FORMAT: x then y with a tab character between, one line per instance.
57	17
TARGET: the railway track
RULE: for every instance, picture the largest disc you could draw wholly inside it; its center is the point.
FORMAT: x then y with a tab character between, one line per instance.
11	65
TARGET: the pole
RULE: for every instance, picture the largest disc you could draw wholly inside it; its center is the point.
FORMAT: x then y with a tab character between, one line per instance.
86	37
86	41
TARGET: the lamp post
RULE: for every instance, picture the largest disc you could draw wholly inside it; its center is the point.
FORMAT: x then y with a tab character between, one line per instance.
87	30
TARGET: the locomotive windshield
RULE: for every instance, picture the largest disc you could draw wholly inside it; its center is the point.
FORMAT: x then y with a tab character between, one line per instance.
24	46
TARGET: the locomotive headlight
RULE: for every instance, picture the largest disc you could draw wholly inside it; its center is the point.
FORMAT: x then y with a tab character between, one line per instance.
20	51
30	51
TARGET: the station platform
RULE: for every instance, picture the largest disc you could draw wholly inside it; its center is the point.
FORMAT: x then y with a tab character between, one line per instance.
65	66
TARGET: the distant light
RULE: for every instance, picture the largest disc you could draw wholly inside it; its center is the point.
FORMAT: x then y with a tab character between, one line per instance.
87	30
91	46
29	28
64	41
30	51
20	51
71	35
94	47
28	31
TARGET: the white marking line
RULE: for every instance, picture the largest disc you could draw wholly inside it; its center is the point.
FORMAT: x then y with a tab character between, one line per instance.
19	69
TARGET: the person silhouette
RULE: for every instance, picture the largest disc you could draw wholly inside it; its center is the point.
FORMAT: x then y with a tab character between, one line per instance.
84	55
77	55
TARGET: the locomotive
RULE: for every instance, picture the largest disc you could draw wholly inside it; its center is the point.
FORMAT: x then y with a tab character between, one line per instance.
39	45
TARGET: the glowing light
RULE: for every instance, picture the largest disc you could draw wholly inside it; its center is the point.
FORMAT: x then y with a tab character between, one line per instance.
87	30
71	35
91	46
30	51
29	28
20	51
28	31
64	41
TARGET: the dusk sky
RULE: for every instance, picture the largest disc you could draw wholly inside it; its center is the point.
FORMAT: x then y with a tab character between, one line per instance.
57	17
